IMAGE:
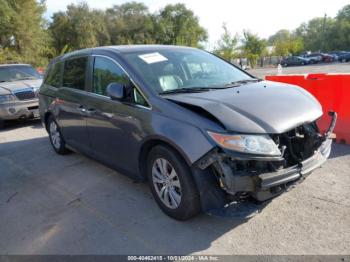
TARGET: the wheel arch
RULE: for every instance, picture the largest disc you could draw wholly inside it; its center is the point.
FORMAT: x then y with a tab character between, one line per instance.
151	143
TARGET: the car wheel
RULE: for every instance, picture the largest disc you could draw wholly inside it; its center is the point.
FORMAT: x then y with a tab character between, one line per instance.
302	63
343	60
56	138
171	183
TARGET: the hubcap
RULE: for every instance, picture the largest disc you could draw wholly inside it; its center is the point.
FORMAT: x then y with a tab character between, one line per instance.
55	135
166	183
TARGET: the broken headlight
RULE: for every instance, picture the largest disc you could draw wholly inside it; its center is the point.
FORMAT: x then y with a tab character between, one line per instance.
251	144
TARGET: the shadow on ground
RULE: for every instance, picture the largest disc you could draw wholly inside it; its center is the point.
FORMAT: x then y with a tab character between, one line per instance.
14	124
53	204
339	150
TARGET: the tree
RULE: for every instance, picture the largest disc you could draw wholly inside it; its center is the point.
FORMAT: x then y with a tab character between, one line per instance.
177	25
130	23
286	43
253	47
22	31
281	36
344	13
79	27
226	45
340	32
316	33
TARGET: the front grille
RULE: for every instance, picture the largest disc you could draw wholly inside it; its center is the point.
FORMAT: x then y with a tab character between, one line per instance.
25	94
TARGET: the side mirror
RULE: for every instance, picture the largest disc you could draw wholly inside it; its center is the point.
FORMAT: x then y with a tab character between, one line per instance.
116	91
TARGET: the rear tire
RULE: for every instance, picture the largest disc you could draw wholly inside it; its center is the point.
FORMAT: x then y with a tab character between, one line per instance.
55	137
172	184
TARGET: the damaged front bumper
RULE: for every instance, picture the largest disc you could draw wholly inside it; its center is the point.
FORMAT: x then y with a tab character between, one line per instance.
240	175
273	183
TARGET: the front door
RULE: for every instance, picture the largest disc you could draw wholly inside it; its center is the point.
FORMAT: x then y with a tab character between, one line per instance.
115	128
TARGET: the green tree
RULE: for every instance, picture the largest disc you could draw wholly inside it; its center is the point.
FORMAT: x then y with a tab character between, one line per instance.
279	36
253	47
79	27
316	33
226	46
23	37
177	25
340	32
130	23
286	43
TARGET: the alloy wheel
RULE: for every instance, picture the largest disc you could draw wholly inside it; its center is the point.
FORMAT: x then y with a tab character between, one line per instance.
166	183
55	135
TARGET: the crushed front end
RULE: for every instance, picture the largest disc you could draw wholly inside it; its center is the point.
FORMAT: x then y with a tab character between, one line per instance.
303	149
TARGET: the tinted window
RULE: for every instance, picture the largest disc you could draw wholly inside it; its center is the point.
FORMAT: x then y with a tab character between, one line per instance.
54	75
106	72
74	73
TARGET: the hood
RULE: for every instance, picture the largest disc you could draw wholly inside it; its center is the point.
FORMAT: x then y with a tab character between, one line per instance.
8	87
263	107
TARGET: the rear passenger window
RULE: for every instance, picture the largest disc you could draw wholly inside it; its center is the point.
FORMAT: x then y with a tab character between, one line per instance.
74	73
54	75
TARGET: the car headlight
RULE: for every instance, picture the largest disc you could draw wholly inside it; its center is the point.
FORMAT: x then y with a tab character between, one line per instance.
251	144
6	98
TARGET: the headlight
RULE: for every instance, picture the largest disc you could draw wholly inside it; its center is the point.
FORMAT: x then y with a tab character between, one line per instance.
5	98
251	144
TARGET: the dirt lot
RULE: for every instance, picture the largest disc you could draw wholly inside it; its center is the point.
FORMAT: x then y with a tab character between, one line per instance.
51	204
321	68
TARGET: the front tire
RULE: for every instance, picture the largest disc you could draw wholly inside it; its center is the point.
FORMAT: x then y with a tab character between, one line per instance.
55	137
171	183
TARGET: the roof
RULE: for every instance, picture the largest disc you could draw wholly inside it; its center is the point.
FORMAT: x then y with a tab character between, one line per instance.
4	65
119	49
138	48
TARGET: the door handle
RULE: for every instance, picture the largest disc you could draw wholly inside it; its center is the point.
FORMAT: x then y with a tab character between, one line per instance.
90	110
81	108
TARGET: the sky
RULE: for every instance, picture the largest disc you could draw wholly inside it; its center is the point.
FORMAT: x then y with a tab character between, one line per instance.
263	17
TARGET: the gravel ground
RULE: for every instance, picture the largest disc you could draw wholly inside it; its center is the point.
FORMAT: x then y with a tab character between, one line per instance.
51	204
322	68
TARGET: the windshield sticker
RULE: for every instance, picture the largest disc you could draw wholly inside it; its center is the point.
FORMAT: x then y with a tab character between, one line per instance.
153	58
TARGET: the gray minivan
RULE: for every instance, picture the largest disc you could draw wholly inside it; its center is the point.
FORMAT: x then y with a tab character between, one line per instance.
201	131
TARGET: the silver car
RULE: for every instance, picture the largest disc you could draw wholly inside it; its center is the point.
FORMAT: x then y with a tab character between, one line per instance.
19	87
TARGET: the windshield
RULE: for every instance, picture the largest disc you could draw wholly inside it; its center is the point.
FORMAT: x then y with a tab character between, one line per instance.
175	69
18	72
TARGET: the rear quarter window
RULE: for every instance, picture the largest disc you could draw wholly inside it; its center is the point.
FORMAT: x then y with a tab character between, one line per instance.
53	77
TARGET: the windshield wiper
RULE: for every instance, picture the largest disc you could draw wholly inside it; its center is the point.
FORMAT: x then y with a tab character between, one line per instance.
242	82
190	90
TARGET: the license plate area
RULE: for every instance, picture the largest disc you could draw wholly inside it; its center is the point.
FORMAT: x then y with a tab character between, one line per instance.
34	110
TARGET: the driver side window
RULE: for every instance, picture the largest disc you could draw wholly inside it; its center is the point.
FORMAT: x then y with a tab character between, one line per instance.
106	72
